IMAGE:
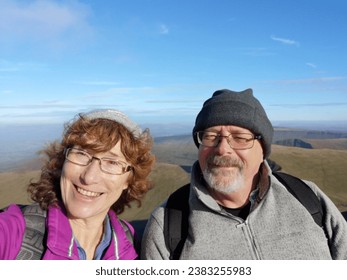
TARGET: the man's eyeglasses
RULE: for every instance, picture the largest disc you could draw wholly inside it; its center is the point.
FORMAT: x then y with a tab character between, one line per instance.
237	141
108	165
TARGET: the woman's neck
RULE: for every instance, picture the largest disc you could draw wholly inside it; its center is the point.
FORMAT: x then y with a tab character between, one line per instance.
89	235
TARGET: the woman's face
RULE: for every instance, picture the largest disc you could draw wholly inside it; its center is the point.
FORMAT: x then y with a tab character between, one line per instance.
87	191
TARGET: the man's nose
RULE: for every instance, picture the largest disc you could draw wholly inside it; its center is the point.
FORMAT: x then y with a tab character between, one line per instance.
223	146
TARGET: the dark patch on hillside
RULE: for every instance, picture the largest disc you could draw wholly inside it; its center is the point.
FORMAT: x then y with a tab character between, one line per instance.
294	143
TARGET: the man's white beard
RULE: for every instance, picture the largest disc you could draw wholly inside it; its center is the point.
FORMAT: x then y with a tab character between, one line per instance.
221	180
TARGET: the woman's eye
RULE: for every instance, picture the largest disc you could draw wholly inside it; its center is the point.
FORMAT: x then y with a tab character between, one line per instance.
111	162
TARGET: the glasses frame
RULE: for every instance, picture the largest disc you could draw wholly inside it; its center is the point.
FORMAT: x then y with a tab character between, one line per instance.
229	139
125	167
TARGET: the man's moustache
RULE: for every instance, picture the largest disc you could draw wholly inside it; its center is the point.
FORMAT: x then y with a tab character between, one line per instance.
224	161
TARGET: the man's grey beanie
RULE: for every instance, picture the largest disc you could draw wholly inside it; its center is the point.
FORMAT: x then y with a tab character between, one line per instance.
227	107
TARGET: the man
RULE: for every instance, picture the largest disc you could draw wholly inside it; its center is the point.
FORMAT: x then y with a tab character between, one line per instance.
237	207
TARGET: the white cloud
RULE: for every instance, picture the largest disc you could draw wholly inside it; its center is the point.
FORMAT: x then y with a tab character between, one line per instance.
311	65
42	20
285	41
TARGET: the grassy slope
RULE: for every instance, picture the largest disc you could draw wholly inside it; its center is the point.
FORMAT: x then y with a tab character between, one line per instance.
336	144
13	187
327	168
165	178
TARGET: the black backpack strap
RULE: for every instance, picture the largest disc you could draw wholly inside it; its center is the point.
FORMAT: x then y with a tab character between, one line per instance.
139	227
32	245
304	194
176	221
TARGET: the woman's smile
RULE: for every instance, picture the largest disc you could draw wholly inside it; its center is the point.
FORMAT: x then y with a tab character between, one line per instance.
87	193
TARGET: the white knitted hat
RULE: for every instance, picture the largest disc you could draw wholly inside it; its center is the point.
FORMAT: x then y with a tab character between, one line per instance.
116	116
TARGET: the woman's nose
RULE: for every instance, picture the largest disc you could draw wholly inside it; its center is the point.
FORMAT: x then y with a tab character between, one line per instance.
91	173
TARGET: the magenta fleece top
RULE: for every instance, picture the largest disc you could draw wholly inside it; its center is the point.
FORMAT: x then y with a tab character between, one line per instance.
61	244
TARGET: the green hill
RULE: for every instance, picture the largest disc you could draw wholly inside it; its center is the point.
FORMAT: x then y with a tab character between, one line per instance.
13	187
166	178
336	144
326	167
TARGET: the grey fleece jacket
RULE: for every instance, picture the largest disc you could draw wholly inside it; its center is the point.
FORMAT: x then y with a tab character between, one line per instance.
277	228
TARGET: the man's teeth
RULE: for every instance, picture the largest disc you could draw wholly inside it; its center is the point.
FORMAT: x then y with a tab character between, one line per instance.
88	193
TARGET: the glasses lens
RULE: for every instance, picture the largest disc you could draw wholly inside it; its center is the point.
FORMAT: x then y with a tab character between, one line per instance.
208	139
237	141
108	165
113	166
241	141
78	156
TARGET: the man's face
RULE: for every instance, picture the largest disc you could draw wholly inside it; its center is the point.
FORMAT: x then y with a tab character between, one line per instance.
228	169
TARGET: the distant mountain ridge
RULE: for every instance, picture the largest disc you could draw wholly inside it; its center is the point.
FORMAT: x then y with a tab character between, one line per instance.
287	133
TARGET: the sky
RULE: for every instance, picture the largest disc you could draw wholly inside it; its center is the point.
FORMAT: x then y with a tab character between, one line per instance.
159	60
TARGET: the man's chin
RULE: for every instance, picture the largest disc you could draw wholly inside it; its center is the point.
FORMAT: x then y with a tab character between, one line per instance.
224	182
228	188
228	172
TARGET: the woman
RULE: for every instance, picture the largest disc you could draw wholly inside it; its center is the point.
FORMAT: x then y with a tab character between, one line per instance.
101	165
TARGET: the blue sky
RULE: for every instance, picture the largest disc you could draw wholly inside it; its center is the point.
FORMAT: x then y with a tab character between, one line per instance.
158	60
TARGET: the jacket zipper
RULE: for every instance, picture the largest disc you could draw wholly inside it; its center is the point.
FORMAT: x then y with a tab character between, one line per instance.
243	224
245	228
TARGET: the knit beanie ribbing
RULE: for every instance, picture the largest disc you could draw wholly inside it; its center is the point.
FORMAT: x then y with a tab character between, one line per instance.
227	107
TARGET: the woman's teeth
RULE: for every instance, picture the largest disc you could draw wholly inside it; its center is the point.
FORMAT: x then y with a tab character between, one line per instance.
88	193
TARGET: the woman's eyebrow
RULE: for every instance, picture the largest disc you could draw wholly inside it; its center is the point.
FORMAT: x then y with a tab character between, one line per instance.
109	153
113	154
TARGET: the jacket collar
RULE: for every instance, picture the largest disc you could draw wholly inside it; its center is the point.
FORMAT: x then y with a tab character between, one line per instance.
61	243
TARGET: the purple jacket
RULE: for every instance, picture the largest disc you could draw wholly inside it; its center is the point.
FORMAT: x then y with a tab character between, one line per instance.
59	237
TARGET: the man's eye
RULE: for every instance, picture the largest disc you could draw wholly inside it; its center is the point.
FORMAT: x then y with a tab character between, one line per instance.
240	138
210	136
